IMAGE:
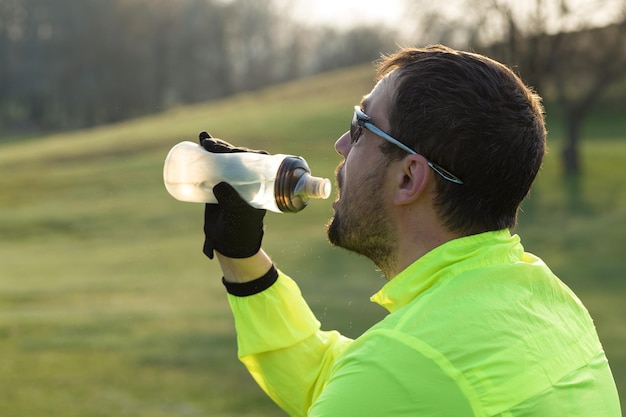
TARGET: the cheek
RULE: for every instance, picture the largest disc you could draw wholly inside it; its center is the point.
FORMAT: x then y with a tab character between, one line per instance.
360	164
365	179
349	176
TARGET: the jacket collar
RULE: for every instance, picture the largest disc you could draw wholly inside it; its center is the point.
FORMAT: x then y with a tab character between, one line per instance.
445	261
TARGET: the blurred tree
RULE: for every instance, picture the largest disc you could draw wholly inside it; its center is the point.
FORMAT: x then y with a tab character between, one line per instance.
254	28
563	48
588	64
557	49
360	44
70	64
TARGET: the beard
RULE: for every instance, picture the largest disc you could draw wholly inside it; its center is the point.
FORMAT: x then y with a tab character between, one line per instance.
361	223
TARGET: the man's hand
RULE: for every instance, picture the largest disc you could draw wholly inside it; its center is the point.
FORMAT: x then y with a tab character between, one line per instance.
232	227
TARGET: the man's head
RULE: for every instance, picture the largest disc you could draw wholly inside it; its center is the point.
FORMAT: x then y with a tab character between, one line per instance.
476	137
475	117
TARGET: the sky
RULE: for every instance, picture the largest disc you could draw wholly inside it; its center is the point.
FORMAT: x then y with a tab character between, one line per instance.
349	12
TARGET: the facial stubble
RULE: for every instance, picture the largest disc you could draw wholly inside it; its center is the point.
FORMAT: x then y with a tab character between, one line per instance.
361	223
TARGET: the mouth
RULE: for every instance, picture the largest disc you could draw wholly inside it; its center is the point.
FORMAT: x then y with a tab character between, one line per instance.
339	175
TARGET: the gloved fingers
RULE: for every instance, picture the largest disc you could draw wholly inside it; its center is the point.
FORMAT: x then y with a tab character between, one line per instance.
212	217
208	248
229	198
215	145
232	227
237	214
212	213
203	135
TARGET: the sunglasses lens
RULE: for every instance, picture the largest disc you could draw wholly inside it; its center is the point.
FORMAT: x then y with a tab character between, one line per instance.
355	129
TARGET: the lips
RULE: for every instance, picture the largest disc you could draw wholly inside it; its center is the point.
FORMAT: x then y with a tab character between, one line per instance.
339	180
339	175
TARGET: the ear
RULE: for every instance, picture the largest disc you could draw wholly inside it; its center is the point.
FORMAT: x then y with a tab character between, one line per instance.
411	179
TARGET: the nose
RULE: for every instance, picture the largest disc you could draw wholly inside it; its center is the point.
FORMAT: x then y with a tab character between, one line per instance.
342	146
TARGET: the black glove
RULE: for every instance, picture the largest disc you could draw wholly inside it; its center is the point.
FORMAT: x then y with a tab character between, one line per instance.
232	227
219	146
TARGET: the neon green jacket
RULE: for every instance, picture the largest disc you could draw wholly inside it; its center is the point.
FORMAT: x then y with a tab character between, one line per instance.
477	327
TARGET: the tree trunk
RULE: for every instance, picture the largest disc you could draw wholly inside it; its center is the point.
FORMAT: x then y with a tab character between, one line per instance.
571	157
572	169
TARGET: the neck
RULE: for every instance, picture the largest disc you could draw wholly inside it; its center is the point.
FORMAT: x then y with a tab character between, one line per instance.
416	237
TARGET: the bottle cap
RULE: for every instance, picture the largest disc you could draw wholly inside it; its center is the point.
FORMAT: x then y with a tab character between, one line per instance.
294	185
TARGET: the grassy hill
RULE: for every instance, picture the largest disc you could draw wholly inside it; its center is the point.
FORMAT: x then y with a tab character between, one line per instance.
108	307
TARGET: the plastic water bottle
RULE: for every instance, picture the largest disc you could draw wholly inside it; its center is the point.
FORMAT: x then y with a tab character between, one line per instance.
280	183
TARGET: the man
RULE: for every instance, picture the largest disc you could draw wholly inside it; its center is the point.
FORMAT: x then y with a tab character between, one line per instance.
438	158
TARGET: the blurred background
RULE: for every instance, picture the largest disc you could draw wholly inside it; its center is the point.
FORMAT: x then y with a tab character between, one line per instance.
107	305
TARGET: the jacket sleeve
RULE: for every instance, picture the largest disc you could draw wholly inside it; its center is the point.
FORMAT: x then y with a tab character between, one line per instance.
386	373
280	342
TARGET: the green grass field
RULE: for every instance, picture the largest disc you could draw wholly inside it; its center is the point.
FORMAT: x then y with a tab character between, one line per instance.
109	308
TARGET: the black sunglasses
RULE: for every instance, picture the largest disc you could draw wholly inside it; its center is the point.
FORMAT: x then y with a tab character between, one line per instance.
361	120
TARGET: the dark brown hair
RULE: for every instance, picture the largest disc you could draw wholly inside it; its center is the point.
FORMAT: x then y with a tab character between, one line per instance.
477	119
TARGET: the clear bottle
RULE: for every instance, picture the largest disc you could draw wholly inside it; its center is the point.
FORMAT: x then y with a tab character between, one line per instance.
280	183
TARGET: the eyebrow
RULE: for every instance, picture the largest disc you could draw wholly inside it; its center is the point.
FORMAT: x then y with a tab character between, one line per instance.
364	103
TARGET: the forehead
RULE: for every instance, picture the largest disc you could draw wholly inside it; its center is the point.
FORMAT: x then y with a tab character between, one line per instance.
376	103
